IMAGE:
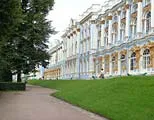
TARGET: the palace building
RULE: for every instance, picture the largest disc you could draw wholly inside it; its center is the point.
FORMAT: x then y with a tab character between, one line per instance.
117	36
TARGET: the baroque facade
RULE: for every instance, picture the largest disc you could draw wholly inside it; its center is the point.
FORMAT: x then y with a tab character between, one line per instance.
117	36
56	62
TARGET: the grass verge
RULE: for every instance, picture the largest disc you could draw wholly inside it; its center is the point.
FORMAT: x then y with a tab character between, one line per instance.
122	98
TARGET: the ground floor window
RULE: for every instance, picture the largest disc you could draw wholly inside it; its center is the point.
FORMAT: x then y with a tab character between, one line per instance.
106	66
133	61
123	63
113	63
146	58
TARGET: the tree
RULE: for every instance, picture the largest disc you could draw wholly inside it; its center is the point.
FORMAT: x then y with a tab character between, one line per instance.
28	41
10	18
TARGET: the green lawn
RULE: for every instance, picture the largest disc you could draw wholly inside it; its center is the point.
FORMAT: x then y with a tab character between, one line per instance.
123	98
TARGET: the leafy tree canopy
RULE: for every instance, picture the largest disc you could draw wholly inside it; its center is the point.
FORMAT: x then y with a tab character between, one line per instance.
24	34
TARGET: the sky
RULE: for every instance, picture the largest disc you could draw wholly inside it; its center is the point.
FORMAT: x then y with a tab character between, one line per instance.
63	11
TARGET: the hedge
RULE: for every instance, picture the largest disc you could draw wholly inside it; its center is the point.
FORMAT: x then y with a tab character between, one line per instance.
5	86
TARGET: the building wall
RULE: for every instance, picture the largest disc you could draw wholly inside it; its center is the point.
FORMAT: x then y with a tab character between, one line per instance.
117	36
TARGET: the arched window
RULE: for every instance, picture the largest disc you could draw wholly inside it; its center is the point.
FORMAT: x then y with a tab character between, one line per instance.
133	61
146	58
133	7
123	63
148	22
147	2
114	34
133	27
106	38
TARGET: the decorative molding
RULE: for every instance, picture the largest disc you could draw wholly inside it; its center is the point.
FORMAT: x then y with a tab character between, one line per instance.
102	22
109	17
147	8
124	52
93	21
71	34
127	6
78	29
134	15
136	48
138	0
68	37
74	32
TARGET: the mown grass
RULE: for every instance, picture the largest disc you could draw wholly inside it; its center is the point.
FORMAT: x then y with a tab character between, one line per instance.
122	98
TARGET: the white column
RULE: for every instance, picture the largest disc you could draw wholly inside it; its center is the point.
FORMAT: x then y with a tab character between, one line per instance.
110	30
128	55
93	34
102	33
71	41
127	22
119	26
139	17
152	15
103	63
73	44
78	52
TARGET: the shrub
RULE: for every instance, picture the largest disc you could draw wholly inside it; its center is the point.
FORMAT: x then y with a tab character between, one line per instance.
6	86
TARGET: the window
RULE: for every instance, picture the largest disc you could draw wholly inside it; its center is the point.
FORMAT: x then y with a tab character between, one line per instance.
147	2
106	65
133	61
133	28
122	32
113	63
106	38
123	63
146	58
148	22
114	34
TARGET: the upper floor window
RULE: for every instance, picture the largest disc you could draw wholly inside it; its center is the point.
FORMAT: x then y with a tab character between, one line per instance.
123	14
148	22
133	8
133	28
122	32
146	2
115	19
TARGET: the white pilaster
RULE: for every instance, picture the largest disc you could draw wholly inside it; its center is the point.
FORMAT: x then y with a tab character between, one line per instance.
102	33
139	17
93	34
127	22
110	30
119	26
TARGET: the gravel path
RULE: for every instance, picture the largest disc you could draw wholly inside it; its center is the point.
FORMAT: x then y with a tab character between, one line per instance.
36	104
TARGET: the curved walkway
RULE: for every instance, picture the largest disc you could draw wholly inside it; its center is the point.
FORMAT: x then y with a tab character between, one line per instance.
36	104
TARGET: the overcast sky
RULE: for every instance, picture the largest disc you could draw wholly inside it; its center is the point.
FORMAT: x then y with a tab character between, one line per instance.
64	10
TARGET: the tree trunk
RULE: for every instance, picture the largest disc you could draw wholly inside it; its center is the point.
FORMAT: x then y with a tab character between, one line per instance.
19	76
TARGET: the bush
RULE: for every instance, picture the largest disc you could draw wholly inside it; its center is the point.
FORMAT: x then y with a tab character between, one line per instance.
5	86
